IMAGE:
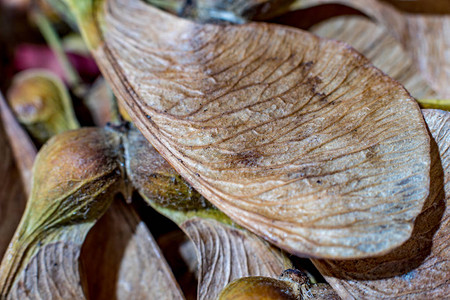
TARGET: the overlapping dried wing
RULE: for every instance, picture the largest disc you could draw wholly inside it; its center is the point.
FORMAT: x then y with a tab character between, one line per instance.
53	273
380	47
23	149
428	38
129	263
12	192
226	253
425	37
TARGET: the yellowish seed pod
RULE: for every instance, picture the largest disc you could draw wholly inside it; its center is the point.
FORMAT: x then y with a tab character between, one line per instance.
291	285
258	287
42	104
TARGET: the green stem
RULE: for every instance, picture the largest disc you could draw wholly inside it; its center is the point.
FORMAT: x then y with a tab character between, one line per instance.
443	104
172	6
54	42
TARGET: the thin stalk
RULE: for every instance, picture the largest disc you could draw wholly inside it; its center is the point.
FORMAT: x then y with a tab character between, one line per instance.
54	42
175	7
443	104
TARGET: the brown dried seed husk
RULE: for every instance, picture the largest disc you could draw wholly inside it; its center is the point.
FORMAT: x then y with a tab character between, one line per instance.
119	251
420	268
299	139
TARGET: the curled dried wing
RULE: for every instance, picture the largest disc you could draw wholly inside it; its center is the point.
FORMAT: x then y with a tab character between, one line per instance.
122	260
52	273
22	148
380	47
424	36
12	193
297	138
226	253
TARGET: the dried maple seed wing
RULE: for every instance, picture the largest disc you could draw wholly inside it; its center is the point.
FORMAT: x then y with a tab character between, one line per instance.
101	104
120	252
424	36
42	104
224	251
299	139
23	148
420	268
75	177
380	47
419	25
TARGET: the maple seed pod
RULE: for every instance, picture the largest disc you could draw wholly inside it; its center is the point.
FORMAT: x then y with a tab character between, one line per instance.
258	288
291	285
42	104
154	178
75	177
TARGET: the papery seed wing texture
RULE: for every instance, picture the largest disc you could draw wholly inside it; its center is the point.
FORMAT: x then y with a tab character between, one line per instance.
381	48
299	139
420	268
424	34
226	253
